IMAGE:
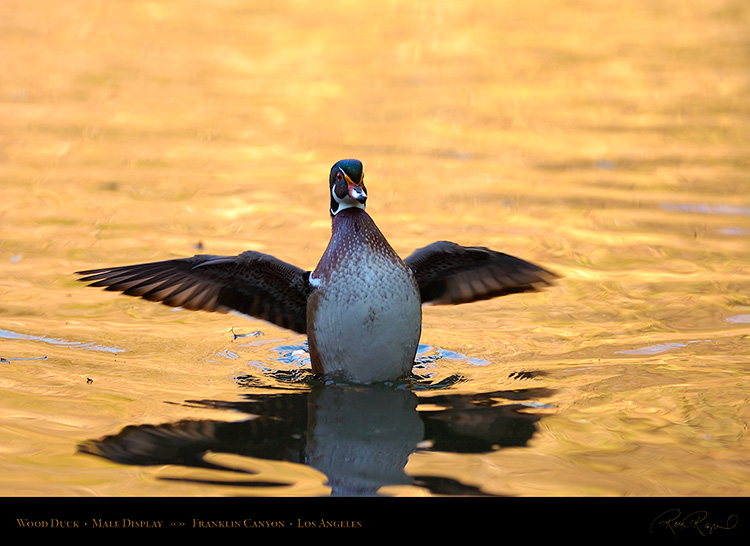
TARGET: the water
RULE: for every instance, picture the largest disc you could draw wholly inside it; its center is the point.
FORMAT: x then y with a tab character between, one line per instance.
554	131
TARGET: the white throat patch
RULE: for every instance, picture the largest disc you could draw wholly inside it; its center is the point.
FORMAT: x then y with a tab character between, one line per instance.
345	203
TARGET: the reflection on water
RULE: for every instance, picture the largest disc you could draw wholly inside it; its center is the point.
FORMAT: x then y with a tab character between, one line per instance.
359	437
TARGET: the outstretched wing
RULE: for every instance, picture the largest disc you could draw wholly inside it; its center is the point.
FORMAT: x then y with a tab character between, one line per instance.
448	273
252	283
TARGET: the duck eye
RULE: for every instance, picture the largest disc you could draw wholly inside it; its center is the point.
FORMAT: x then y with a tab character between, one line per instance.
339	176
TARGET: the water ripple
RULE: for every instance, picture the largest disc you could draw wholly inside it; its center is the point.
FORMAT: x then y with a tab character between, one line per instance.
705	208
7	334
739	319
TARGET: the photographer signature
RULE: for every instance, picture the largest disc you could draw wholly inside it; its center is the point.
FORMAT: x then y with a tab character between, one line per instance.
674	521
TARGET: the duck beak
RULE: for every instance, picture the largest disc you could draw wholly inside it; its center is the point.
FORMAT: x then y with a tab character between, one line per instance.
357	192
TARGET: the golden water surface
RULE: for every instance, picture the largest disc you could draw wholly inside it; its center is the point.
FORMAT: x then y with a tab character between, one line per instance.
606	141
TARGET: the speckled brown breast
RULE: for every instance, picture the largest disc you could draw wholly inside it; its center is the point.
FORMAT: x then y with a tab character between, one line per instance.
364	314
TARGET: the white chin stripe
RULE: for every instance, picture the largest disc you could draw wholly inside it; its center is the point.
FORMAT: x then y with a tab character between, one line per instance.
345	203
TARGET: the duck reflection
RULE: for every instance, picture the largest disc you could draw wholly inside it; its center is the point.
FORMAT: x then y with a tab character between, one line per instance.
360	437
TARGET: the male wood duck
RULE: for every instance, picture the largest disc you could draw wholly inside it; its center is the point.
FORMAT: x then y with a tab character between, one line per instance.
361	307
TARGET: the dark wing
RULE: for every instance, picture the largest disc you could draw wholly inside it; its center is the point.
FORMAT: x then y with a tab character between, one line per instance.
448	273
252	283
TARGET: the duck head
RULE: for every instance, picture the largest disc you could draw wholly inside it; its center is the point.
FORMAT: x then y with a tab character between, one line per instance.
347	183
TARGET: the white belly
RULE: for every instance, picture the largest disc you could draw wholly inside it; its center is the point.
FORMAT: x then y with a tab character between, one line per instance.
365	326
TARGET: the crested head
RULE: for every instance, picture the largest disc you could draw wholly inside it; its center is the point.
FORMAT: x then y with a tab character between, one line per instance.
347	185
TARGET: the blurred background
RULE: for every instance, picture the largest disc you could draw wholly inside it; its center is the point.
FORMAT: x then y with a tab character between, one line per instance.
606	141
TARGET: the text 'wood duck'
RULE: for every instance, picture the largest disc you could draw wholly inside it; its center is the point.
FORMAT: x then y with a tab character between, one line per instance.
361	307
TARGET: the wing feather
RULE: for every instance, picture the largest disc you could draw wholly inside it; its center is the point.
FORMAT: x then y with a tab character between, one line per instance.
448	273
252	283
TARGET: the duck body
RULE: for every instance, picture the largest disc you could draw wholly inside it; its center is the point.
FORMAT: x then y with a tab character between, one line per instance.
364	311
361	307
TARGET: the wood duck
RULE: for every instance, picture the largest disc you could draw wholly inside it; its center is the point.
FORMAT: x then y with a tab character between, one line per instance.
361	307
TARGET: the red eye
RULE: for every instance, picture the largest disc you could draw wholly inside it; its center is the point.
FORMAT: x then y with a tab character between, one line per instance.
339	176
